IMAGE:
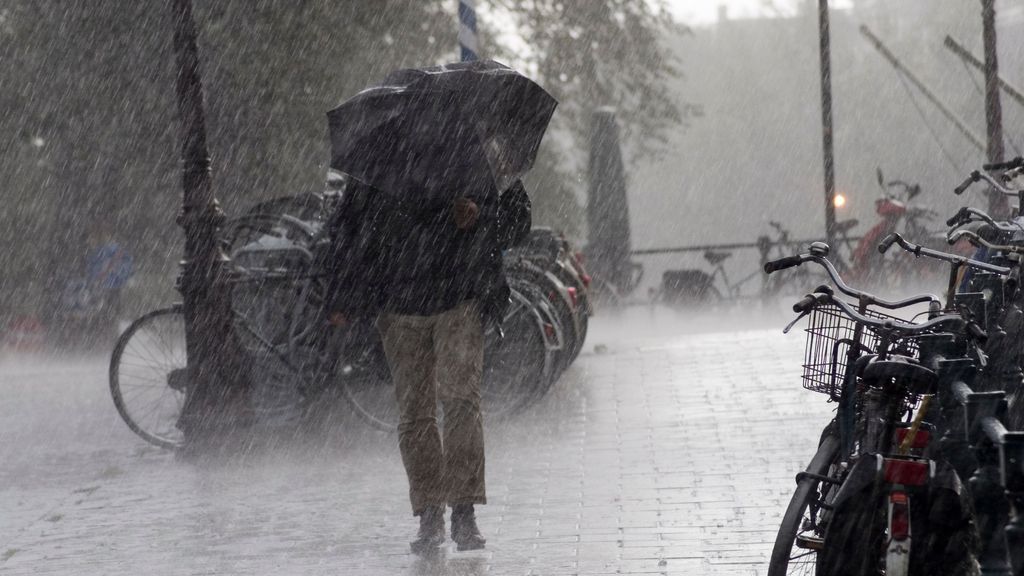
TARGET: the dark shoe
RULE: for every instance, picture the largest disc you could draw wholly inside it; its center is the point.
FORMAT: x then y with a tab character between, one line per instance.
431	534
464	531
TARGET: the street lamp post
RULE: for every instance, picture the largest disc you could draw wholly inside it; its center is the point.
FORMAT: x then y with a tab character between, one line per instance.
212	401
826	122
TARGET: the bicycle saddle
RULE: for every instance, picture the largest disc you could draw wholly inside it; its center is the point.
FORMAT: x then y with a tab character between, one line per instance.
917	378
846	225
716	258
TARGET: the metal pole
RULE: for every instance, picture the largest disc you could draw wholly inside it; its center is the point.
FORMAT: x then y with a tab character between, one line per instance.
960	126
468	45
964	54
997	203
826	122
207	320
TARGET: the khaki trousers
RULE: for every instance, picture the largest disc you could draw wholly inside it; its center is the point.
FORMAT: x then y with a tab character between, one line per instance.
433	358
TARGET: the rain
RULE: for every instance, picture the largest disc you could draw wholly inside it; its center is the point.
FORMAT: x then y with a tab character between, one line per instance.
551	287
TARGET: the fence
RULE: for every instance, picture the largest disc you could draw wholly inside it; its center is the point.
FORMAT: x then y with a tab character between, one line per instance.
736	278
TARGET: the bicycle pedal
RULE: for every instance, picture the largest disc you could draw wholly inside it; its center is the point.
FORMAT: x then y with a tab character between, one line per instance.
810	542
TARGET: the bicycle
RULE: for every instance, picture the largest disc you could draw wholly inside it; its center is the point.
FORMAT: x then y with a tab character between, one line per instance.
855	501
866	265
550	251
278	294
1000	242
773	287
693	286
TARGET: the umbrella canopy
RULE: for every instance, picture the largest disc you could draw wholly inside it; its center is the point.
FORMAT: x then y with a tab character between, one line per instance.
442	132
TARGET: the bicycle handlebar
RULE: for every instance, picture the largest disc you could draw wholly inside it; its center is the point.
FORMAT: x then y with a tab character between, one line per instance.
963	186
887	242
963	216
1017	162
918	250
791	261
905	328
966	215
976	175
805	304
782	264
976	239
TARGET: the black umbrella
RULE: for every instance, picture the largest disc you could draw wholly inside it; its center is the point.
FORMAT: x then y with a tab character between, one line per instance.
441	132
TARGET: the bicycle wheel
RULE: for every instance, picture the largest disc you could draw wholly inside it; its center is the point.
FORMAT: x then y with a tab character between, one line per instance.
557	298
800	537
148	377
515	366
552	332
364	377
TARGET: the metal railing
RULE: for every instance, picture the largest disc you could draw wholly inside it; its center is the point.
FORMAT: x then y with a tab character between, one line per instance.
766	249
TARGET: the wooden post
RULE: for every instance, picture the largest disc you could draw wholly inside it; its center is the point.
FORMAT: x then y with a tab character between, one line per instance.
965	55
826	122
997	203
901	68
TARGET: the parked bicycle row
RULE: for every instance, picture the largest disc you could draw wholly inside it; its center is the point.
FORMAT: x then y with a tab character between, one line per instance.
853	254
920	471
301	354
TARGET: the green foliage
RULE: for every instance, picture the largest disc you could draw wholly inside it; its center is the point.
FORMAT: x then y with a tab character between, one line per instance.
89	110
604	53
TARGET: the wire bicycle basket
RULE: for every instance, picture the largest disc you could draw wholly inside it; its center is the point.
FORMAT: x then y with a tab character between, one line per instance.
829	339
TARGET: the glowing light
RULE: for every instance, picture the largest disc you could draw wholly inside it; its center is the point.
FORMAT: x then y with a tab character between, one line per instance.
839	200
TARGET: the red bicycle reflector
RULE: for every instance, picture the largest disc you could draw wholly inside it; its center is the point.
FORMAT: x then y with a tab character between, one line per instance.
920	440
906	472
549	330
899	516
572	295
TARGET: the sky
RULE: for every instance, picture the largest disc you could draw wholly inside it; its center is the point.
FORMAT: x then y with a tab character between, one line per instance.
704	12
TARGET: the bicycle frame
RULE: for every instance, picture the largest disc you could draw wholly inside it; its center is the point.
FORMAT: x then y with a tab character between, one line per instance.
872	401
975	445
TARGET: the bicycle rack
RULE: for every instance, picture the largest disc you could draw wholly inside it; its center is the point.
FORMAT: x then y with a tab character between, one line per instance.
980	449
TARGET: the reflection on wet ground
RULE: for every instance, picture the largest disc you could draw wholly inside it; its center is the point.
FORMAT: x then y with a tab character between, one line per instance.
667	451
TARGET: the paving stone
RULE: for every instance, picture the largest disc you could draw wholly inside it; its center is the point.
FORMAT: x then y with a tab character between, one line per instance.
674	456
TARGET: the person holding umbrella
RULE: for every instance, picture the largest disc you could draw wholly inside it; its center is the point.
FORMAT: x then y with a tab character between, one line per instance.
435	155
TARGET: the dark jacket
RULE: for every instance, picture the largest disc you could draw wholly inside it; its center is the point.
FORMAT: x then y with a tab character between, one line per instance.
412	259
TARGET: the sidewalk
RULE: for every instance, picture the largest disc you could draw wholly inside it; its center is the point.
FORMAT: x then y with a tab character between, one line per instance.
667	456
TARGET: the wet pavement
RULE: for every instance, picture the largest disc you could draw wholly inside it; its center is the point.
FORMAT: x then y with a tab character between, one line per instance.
671	453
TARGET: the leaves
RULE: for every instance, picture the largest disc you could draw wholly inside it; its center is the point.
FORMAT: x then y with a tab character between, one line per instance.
93	82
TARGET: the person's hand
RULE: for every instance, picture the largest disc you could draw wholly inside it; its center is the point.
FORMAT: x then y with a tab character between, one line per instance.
465	212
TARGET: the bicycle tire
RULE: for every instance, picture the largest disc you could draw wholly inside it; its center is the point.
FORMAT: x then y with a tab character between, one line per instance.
567	320
555	343
713	296
567	276
517	365
781	563
369	416
379	408
567	316
172	366
365	381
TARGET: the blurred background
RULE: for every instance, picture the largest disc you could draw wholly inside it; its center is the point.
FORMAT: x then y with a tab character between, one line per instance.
717	103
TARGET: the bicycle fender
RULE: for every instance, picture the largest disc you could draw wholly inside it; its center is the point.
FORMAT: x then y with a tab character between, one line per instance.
864	475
